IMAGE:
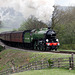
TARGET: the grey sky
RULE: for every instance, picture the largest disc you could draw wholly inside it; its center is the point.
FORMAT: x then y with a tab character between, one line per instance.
65	2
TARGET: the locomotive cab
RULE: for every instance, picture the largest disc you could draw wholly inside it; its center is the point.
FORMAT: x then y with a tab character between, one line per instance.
51	41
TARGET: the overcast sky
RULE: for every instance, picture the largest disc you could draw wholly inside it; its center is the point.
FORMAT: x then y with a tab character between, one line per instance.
65	2
41	9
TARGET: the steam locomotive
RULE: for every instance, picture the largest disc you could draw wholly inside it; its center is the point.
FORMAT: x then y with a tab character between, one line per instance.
42	39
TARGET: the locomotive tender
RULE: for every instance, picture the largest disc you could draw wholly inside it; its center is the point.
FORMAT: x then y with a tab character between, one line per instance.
42	39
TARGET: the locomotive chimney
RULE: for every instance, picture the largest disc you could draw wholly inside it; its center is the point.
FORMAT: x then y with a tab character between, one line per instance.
49	28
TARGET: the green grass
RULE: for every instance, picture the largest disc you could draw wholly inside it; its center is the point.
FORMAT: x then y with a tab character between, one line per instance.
21	57
66	50
55	71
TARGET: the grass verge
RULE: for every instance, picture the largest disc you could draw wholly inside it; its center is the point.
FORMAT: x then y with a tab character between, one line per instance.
55	71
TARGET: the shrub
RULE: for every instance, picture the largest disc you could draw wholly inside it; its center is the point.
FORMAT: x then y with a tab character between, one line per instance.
50	62
67	46
1	48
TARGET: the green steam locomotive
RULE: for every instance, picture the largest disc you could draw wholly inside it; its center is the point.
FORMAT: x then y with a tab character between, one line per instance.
42	39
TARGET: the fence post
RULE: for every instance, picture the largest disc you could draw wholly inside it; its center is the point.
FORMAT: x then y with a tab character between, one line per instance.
41	64
35	65
58	62
72	58
70	66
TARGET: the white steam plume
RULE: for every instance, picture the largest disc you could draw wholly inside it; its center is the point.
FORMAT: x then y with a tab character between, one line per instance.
41	9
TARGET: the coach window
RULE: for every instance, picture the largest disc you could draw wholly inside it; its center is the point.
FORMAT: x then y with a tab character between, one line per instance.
18	35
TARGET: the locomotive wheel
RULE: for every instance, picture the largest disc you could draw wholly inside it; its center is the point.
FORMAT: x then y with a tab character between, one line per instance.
55	49
40	47
35	46
43	47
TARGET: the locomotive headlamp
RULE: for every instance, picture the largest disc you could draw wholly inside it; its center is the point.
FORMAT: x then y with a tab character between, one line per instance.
48	44
58	43
57	40
47	40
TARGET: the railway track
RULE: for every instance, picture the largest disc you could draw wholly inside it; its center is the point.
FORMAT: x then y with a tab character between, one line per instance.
65	52
9	47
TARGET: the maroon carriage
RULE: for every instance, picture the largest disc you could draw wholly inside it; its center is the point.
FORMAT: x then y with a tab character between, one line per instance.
17	36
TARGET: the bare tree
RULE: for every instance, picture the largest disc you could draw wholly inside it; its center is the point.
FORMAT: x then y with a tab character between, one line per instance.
57	16
0	24
32	23
63	22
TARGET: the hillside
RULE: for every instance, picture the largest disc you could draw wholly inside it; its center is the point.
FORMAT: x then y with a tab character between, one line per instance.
23	57
10	19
